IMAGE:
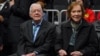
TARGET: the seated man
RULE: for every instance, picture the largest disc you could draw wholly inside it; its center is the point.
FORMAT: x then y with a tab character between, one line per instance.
37	35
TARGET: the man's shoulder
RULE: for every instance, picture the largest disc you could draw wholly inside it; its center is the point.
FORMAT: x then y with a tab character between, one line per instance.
26	22
49	24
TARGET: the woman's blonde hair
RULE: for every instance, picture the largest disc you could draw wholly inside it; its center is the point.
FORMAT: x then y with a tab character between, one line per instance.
70	7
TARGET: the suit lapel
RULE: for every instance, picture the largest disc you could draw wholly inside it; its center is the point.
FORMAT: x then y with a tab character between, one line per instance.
67	32
30	31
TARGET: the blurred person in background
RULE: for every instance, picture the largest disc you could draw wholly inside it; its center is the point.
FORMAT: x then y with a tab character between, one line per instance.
47	4
97	29
19	14
4	17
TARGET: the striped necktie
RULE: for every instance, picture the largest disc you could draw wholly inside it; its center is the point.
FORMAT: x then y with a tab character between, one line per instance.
34	32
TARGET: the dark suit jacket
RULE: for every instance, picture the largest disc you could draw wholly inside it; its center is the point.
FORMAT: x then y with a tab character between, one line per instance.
86	38
20	13
5	12
21	8
61	4
49	4
44	40
1	33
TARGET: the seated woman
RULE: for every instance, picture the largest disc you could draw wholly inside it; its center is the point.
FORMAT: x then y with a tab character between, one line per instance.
77	37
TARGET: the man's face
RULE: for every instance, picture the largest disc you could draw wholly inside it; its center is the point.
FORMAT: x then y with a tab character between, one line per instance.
76	13
36	12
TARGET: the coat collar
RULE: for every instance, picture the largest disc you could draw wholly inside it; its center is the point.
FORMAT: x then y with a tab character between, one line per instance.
68	24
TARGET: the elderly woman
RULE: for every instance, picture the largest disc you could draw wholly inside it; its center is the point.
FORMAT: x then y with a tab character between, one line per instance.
77	37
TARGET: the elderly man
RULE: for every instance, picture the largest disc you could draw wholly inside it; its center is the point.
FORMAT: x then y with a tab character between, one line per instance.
37	35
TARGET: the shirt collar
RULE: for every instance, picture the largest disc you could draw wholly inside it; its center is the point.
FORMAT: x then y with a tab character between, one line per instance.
38	23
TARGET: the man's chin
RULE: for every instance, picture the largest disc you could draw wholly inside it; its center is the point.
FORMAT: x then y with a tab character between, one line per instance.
37	20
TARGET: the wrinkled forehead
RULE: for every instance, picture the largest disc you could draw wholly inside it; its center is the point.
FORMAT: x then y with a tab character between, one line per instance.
76	7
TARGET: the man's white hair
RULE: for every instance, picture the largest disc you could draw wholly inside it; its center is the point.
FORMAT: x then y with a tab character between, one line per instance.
32	5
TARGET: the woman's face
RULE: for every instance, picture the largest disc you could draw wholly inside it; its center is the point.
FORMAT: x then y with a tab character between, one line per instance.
76	13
